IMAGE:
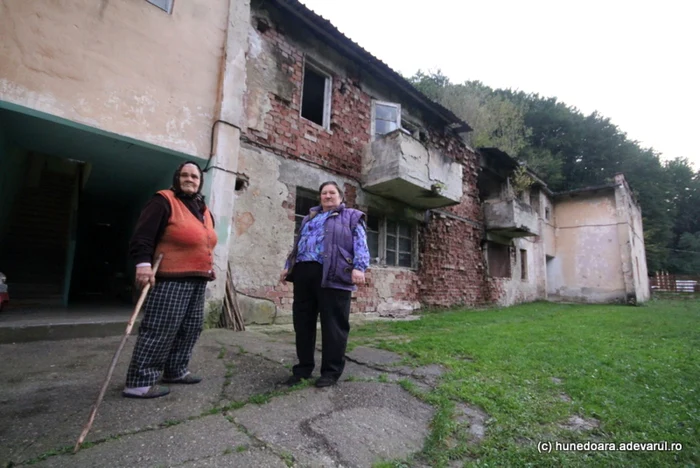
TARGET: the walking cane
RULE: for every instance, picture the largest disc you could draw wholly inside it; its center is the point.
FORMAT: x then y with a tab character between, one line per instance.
129	326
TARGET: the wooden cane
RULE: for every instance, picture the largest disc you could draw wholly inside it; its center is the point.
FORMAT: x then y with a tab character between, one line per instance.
129	326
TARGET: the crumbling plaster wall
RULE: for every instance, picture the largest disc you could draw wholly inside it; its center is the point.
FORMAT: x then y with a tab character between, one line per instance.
516	289
631	239
264	234
125	67
587	266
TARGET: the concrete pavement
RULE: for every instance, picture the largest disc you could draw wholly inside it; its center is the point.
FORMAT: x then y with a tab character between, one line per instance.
238	416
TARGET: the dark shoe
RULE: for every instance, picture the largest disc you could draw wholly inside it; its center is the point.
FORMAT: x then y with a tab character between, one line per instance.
293	380
188	379
156	391
325	381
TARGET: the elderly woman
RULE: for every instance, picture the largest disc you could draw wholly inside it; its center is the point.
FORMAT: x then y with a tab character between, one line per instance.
329	259
177	224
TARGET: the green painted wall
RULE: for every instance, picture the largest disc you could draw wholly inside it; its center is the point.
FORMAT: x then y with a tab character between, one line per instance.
12	170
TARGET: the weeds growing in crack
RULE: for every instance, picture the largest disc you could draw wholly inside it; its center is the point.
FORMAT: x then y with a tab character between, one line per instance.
287	458
53	453
229	373
170	423
222	353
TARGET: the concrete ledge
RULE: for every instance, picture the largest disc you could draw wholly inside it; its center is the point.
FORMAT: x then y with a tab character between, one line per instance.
26	333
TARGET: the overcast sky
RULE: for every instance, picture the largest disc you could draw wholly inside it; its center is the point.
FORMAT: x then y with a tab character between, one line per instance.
635	62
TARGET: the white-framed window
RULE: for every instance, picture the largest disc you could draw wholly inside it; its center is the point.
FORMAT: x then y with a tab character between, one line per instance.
316	95
386	117
165	5
391	242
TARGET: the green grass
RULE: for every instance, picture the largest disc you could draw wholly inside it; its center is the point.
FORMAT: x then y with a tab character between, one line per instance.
634	369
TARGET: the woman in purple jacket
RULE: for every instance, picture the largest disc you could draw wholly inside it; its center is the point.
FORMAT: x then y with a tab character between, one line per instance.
329	259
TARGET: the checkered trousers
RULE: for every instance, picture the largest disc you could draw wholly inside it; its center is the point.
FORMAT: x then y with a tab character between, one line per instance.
172	322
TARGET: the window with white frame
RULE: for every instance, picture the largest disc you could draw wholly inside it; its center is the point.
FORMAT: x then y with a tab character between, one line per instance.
391	242
386	117
316	96
165	5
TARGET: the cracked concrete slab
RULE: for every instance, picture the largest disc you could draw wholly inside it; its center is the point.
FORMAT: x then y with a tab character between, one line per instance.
249	375
246	458
374	357
51	386
189	441
54	385
474	419
333	426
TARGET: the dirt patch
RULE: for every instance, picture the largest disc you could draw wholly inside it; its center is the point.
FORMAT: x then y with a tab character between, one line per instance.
579	424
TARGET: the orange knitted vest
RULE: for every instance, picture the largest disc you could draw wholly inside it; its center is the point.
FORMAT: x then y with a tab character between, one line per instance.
187	244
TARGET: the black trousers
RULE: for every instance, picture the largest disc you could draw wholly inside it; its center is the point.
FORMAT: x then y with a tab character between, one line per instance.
310	300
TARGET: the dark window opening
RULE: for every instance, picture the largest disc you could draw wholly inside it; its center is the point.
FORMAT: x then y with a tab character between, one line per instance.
523	264
241	183
313	102
547	214
305	200
498	260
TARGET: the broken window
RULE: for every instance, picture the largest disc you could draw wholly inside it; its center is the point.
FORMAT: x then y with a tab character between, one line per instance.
165	5
316	96
305	200
523	264
547	214
390	242
498	258
386	117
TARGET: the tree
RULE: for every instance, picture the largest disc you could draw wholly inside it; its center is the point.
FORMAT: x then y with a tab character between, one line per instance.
497	121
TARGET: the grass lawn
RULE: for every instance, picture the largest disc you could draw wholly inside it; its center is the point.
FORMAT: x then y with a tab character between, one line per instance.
636	370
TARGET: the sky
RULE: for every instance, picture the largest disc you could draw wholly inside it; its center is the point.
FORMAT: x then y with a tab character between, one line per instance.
635	62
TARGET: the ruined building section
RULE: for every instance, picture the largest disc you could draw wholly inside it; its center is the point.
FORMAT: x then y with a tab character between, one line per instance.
631	238
453	269
584	245
320	108
518	236
599	246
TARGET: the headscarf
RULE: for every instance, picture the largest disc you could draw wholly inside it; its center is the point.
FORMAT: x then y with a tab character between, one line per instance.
175	187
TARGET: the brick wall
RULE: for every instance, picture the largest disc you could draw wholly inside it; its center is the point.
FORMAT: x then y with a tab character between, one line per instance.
452	267
338	149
